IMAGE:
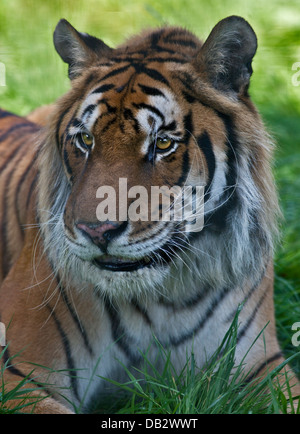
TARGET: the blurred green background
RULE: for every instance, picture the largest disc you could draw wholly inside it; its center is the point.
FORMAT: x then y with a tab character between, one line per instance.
35	75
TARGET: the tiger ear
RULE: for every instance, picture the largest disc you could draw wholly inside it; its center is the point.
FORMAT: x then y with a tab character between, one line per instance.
77	49
226	56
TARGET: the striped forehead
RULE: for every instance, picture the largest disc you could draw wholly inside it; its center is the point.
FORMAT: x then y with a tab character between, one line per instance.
153	107
90	110
159	110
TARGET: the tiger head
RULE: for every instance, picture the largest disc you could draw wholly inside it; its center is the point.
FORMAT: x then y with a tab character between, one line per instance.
160	111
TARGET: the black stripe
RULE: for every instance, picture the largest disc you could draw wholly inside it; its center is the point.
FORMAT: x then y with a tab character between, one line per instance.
74	122
182	42
187	81
116	72
126	58
103	88
75	318
188	127
5	114
251	291
152	91
167	59
145	54
89	79
66	137
109	124
188	303
31	190
59	122
12	368
205	145
89	109
172	126
16	371
16	127
121	88
271	359
155	37
128	115
229	199
121	338
232	145
67	349
176	341
67	163
110	109
151	109
18	188
4	230
155	75
11	156
160	49
142	311
185	167
243	330
188	97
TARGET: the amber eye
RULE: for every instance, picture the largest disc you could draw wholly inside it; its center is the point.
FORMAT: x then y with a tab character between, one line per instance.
87	139
163	143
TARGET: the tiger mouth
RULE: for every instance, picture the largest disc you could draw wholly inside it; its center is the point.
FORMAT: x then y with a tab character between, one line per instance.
160	257
114	263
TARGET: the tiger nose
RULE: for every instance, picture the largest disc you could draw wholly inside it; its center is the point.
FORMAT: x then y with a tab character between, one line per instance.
101	234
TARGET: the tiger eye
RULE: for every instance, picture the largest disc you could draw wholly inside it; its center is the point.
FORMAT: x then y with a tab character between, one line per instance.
87	139
164	143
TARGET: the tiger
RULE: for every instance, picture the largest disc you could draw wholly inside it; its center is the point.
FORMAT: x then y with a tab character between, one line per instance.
83	297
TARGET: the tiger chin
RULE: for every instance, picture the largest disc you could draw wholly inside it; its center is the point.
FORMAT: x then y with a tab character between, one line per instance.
84	297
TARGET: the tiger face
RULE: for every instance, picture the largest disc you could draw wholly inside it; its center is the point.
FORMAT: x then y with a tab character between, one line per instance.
129	145
158	112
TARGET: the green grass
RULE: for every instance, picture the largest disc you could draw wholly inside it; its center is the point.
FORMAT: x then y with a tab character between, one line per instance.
220	387
215	389
35	75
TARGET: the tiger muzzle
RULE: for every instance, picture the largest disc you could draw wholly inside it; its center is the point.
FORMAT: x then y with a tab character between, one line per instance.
101	234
